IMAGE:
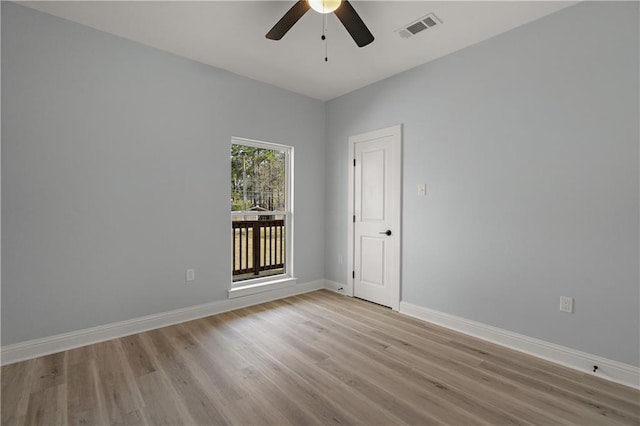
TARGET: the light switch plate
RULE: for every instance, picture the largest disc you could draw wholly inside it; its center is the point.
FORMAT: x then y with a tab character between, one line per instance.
191	274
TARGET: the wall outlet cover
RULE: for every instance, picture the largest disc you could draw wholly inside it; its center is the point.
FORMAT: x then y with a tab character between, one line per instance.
566	304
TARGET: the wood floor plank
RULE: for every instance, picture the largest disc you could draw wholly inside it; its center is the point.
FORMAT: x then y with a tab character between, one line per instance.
116	382
221	387
216	364
48	406
138	355
48	371
313	359
133	418
16	389
162	406
192	395
85	405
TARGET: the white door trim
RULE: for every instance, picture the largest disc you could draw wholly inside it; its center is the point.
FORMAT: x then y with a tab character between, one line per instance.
396	211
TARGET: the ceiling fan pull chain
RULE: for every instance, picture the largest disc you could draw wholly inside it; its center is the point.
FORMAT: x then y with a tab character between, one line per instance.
324	38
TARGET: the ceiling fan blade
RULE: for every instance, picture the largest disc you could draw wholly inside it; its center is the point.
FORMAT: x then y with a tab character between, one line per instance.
354	24
288	20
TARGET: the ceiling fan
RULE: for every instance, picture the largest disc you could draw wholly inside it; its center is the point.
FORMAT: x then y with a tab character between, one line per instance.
341	8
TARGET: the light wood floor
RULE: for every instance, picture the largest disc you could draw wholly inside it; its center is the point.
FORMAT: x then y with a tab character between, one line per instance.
319	358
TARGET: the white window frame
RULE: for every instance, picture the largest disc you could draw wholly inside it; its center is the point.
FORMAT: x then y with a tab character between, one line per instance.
273	282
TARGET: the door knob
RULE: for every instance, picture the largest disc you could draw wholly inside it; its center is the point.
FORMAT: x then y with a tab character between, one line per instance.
387	232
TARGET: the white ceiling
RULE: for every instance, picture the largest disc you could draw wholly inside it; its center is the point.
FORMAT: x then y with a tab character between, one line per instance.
230	35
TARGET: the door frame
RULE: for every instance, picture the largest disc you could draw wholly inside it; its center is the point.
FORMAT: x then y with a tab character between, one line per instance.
396	210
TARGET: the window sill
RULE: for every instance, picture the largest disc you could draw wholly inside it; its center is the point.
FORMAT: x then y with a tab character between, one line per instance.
261	287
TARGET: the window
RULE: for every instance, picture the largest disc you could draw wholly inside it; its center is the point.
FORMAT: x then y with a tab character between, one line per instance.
261	214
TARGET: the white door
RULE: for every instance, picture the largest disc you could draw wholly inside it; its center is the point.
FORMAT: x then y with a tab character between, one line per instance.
376	199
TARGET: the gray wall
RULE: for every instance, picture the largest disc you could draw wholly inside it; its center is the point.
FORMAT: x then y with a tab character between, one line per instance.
528	144
115	175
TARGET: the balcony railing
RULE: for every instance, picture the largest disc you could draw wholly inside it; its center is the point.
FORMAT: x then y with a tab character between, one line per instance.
258	248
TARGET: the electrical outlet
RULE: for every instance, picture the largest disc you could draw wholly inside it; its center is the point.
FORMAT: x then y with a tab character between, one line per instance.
191	274
566	304
422	189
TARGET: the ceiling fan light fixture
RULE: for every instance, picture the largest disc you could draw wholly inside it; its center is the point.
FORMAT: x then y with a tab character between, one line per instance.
324	6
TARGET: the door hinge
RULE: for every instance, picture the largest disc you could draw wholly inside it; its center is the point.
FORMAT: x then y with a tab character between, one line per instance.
353	274
354	218
354	162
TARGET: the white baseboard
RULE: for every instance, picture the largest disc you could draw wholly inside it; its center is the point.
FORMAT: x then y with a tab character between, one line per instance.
335	287
62	342
607	369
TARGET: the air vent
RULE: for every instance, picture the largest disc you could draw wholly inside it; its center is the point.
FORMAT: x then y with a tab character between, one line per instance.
419	25
416	28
